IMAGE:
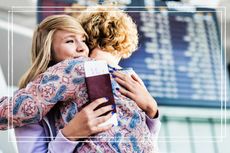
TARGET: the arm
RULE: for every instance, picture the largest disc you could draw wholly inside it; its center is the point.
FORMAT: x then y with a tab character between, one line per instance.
36	135
154	125
61	144
30	104
133	87
135	90
36	140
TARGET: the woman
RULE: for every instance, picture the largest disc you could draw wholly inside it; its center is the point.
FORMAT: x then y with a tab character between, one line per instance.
133	118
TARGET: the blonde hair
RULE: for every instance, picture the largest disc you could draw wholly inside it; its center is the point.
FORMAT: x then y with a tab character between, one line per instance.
42	43
110	29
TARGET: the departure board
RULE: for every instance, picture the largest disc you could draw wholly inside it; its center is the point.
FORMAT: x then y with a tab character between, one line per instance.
179	56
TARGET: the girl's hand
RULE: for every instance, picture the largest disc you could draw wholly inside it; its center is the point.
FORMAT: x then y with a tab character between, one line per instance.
87	121
135	90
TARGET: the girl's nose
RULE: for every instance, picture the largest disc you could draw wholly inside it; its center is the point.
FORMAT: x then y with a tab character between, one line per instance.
80	48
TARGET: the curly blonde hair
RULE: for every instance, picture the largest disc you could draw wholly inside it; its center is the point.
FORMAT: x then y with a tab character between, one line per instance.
110	29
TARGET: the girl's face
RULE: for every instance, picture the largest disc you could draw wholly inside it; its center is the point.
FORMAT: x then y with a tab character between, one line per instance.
67	45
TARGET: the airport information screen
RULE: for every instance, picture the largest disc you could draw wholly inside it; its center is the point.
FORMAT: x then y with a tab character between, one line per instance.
179	56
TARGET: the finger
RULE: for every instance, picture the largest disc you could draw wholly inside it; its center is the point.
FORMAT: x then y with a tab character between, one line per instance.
135	78
99	129
97	102
125	84
127	78
103	110
121	75
101	119
126	93
96	128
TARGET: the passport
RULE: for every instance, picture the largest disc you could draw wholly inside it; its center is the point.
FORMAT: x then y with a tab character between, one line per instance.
99	85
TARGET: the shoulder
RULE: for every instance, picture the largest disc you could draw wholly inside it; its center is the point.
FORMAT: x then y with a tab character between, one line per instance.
69	63
68	67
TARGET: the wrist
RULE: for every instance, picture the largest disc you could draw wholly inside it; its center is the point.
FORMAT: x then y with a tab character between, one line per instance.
151	114
67	134
151	110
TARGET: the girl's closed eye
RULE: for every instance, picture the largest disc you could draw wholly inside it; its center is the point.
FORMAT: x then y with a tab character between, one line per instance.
70	41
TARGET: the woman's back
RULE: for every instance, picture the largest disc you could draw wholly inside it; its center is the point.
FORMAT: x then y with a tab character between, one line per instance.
132	132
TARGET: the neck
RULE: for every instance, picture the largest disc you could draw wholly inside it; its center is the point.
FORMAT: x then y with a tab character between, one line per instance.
99	54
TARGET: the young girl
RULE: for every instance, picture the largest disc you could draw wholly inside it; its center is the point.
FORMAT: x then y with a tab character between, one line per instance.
57	38
131	135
